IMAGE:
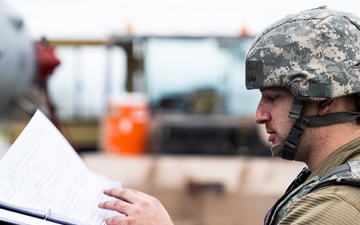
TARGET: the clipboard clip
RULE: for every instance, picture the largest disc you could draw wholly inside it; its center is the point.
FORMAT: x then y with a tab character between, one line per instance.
47	214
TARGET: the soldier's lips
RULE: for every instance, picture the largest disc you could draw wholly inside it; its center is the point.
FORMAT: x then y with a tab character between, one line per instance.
271	131
272	136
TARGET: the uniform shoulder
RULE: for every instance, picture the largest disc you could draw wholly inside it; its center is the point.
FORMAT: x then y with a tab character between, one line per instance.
336	204
345	192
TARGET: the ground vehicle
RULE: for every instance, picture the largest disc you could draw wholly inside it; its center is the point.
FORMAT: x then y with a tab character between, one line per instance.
195	86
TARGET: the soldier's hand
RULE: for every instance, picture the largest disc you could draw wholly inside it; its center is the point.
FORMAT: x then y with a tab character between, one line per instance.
139	208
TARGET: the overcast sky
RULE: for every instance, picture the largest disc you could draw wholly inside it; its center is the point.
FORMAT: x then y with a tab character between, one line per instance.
101	18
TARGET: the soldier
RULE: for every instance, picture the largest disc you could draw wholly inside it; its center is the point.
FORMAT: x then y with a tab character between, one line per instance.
307	67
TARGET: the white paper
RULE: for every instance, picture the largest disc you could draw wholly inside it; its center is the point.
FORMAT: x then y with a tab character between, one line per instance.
41	170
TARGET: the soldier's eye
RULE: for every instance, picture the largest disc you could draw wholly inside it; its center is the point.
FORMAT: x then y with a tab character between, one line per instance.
271	98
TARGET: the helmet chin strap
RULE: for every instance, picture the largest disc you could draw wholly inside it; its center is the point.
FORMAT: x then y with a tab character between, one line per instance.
288	148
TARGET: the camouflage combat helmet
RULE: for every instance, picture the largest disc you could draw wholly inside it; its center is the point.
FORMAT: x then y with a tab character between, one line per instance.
316	55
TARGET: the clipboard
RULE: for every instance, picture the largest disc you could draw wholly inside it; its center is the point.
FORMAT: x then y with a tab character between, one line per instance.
11	218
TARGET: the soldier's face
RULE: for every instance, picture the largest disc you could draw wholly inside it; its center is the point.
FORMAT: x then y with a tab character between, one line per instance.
272	111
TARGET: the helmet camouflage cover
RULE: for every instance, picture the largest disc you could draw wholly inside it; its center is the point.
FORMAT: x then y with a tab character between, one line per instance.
314	53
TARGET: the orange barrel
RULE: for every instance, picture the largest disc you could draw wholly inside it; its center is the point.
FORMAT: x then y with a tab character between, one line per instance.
126	124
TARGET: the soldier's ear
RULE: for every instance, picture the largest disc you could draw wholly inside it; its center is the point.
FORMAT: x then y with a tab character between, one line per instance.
325	106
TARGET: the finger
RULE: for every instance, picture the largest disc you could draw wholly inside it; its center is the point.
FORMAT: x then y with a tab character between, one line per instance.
124	194
140	194
116	205
116	220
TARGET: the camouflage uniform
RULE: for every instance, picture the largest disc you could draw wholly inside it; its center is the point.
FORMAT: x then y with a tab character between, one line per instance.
309	203
316	55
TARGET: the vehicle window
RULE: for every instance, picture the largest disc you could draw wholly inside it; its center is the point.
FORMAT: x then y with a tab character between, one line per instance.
203	75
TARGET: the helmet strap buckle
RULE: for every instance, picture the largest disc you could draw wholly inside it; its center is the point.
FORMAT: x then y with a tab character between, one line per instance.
293	138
